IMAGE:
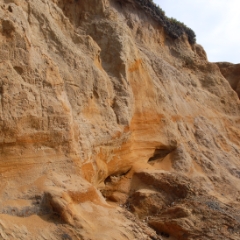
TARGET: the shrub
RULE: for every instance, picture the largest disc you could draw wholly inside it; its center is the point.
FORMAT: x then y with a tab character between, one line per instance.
173	27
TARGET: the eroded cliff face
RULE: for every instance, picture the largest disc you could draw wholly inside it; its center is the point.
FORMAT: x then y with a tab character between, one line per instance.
232	73
110	129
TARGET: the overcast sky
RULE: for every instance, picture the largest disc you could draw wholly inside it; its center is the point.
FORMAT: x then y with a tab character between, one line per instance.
215	22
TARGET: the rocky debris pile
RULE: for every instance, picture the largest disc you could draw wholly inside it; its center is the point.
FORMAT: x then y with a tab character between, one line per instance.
174	207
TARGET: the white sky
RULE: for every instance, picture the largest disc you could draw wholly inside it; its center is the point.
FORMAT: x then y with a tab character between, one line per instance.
215	22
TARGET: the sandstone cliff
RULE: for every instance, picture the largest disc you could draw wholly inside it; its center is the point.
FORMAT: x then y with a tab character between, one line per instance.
232	73
112	129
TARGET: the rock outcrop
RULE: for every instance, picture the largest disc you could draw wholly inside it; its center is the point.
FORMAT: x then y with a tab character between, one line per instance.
112	129
232	73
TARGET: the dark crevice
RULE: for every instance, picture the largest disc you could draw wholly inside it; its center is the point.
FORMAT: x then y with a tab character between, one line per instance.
19	70
10	9
110	178
164	234
159	154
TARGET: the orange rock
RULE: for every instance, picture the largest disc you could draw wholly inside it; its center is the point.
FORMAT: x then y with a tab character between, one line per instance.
98	101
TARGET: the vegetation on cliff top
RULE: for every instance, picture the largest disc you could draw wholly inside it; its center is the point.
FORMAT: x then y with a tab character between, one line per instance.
173	27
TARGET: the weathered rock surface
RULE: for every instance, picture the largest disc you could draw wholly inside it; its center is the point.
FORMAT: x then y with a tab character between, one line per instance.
232	73
111	129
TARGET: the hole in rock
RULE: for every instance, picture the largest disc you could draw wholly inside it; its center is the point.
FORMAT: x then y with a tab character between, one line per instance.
115	177
115	189
8	28
10	9
160	153
164	234
107	180
19	70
